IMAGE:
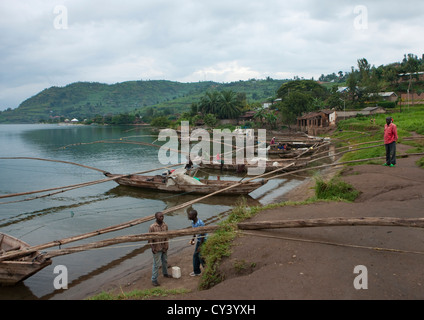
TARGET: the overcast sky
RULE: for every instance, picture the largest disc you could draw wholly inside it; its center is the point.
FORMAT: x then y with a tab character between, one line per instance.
48	43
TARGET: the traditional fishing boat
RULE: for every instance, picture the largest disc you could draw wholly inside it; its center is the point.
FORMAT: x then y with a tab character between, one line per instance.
16	270
182	183
270	165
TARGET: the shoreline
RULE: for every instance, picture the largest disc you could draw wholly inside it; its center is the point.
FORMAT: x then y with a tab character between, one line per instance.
138	277
318	263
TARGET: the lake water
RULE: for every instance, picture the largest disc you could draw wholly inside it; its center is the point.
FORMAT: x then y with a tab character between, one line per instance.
78	211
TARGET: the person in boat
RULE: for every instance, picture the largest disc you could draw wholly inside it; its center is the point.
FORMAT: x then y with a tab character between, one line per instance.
189	165
168	172
159	249
241	168
201	238
220	160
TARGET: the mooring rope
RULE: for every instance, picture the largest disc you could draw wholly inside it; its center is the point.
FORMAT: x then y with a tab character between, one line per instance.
328	243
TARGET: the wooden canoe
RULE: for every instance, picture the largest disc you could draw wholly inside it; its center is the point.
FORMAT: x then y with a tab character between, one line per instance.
271	165
161	183
14	271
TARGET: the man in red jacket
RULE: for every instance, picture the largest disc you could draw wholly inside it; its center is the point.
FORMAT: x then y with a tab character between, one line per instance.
390	138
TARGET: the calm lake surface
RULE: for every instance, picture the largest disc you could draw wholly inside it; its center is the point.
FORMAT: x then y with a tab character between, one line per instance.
91	208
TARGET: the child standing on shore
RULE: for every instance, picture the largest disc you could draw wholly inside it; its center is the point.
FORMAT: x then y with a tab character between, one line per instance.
201	238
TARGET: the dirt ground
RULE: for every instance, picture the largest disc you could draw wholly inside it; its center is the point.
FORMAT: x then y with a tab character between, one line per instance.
318	263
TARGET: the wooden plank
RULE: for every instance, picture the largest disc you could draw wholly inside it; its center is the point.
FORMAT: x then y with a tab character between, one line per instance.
333	222
299	223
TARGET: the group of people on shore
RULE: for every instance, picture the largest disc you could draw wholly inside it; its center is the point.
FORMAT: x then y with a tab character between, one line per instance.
160	246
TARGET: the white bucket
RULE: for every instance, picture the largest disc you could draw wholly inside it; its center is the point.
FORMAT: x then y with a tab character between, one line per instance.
176	272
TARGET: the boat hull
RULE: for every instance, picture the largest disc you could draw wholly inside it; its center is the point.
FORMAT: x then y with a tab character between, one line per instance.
15	271
271	165
209	186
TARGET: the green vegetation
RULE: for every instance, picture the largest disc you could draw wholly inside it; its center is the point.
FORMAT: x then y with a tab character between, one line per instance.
298	97
420	163
143	99
360	129
138	294
334	190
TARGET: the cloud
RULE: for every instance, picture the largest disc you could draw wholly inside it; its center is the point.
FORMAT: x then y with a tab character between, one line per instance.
187	40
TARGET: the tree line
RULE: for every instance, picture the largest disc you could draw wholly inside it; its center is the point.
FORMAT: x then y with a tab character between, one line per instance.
292	99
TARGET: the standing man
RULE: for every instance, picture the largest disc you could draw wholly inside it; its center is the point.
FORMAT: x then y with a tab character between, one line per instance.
159	249
390	138
201	238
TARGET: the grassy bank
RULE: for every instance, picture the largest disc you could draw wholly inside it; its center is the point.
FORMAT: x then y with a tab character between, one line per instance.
361	129
138	294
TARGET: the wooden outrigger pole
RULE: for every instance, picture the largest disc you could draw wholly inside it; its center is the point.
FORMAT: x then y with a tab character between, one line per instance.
20	253
79	185
258	225
13	255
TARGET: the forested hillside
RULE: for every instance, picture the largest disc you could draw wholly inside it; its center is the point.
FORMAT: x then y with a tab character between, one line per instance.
83	100
136	101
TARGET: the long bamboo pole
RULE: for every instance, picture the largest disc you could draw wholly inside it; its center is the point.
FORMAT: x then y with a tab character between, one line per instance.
257	225
131	238
14	255
343	163
51	160
332	222
20	253
84	184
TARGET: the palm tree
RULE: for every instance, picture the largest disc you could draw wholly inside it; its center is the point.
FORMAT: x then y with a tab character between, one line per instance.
229	105
209	103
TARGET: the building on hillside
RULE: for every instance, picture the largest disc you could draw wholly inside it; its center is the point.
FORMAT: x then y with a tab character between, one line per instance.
404	77
266	105
372	110
388	96
247	116
314	121
365	112
342	89
412	98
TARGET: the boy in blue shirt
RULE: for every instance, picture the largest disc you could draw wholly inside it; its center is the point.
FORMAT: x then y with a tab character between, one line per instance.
201	238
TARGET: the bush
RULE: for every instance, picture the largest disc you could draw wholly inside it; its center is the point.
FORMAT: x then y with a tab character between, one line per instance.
386	104
335	189
210	120
160	122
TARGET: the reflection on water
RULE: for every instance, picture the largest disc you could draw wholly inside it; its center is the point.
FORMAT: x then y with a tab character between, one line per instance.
95	207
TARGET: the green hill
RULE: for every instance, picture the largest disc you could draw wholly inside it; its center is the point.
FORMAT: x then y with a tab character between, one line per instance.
87	99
